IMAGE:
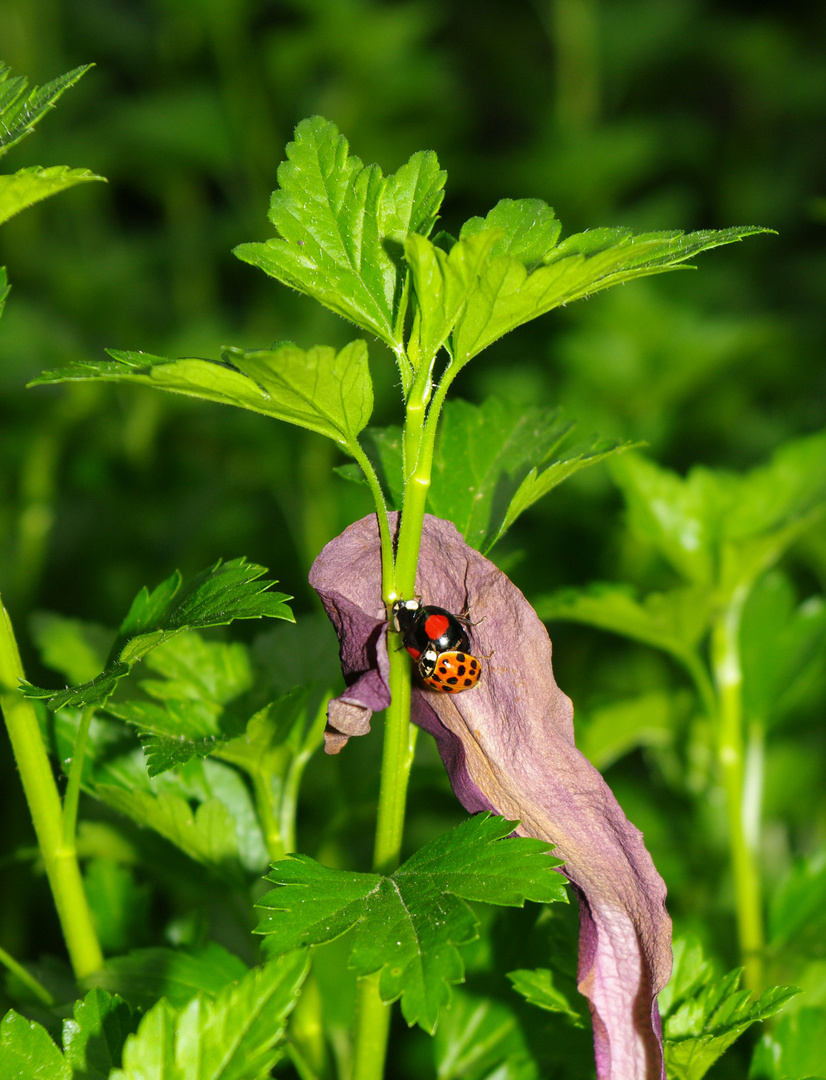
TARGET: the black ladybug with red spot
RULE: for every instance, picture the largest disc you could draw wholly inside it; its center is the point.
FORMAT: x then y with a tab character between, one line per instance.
438	642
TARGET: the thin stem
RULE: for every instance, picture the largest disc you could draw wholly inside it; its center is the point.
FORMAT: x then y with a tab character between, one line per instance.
728	677
39	786
72	796
388	577
28	980
265	804
372	1031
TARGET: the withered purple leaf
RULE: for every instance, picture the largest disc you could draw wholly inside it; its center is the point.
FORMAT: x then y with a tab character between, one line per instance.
508	746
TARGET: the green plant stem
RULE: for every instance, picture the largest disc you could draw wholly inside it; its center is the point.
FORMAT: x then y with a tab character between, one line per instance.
28	980
388	573
725	652
72	796
39	786
265	805
372	1031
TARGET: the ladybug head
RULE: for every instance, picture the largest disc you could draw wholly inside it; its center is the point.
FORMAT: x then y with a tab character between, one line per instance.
404	614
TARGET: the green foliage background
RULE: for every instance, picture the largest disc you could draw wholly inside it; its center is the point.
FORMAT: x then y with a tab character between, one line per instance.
653	115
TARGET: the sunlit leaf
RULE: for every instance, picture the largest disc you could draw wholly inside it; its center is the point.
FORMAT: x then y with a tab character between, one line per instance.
27	1051
93	1039
19	113
29	186
342	226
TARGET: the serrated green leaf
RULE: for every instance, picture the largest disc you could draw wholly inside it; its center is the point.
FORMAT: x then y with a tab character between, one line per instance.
497	443
442	281
537	987
320	389
529	230
19	114
703	1016
207	834
93	1040
326	391
408	926
794	1048
145	975
536	483
215	597
342	227
174	733
26	187
509	294
28	1053
674	621
232	1037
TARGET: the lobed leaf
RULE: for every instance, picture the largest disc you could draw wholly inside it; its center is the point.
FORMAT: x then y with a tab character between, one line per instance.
215	597
326	391
19	114
408	925
520	281
27	1051
93	1039
703	1016
233	1036
26	187
342	227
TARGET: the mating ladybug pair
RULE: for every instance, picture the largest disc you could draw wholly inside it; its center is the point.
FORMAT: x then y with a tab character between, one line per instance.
438	642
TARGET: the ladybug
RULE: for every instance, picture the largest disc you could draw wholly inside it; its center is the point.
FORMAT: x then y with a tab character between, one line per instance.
438	642
454	671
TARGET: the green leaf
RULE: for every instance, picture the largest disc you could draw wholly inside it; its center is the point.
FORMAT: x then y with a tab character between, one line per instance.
481	1039
145	975
537	987
797	915
28	1053
794	1048
529	230
342	227
497	444
783	646
611	731
442	281
76	649
173	733
511	291
26	187
721	528
408	926
703	1016
232	1036
215	597
19	113
536	483
93	1040
320	389
207	835
119	903
674	621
